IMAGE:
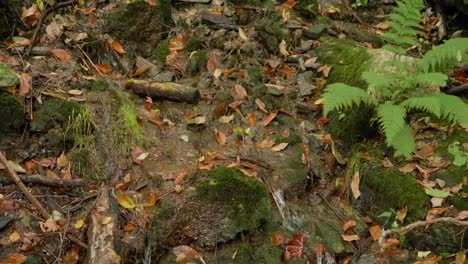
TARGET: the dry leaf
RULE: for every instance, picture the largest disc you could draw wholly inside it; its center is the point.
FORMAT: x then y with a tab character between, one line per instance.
349	225
79	223
75	92
280	147
104	68
24	85
117	47
350	238
14	259
325	70
226	119
213	63
407	168
125	201
261	105
387	163
355	185
180	178
62	160
401	214
269	118
376	232
15	236
266	143
62	55
276	238
185	253
242	35
220	137
178	188
240	91
283	48
106	220
71	257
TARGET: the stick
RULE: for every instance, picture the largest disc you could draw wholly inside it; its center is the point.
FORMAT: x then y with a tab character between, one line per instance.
166	90
418	224
38	179
23	188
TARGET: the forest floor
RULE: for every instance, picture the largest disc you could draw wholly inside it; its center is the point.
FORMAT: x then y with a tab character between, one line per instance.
192	132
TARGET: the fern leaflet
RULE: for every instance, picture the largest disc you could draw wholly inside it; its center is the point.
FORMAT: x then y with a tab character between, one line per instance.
391	118
339	95
453	108
445	56
429	104
403	142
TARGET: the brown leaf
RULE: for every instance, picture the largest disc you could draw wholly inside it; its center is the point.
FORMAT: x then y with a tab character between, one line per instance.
390	243
14	259
266	143
180	178
427	151
117	47
325	69
213	63
261	105
138	155
62	160
355	185
276	238
366	156
407	168
269	118
24	85
401	214
104	68
349	225
285	70
62	55
220	137
240	91
387	163
279	147
350	238
376	232
283	48
140	71
178	188
177	43
294	248
185	253
71	257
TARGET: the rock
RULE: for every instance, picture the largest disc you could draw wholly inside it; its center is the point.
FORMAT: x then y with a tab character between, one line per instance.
304	81
144	63
331	237
11	113
366	259
315	31
7	76
165	76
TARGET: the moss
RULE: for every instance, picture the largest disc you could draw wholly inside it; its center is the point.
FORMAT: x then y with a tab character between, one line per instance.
307	8
292	140
256	75
271	33
139	25
198	61
268	253
236	192
193	44
11	113
128	113
347	59
53	113
162	50
388	188
100	85
8	77
298	173
162	214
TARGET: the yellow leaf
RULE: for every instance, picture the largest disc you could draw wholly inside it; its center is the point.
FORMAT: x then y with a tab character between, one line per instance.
125	201
106	220
15	236
79	223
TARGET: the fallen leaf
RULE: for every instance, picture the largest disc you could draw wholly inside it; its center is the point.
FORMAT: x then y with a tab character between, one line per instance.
280	147
285	70
106	220
276	238
269	118
14	259
138	155
436	202
75	92
220	137
226	119
213	63
62	160
104	68
240	91
140	71
283	48
460	258
62	55
401	214
387	163
294	248
125	201
355	185
129	227
178	188
437	193
376	232
366	156
349	225
177	43
15	236
266	143
117	47
71	257
25	82
325	69
185	253
407	168
261	105
350	238
242	35
79	223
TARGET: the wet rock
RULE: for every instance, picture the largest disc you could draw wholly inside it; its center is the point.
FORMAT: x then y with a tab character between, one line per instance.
315	31
7	76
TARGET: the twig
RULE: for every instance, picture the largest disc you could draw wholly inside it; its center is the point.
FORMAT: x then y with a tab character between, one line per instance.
418	224
90	61
272	191
43	16
38	179
23	188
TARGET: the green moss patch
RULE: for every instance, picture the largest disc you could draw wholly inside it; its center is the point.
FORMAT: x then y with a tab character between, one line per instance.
11	113
54	113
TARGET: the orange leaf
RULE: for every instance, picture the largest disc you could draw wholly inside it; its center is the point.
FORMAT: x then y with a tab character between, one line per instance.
140	71
125	201
180	178
62	55
349	225
376	232
350	238
178	188
104	68
177	43
220	137
285	70
117	47
366	156
14	259
261	105
401	214
276	238
25	85
269	118
71	257
129	227
185	253
266	143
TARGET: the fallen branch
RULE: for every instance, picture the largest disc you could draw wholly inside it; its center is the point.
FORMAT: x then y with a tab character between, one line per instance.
418	224
165	90
38	179
23	188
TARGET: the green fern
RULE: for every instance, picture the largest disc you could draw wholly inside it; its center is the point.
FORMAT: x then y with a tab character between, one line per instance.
428	104
453	108
391	118
445	56
339	95
403	142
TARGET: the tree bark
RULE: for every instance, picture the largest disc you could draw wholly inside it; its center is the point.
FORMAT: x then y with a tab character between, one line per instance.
164	90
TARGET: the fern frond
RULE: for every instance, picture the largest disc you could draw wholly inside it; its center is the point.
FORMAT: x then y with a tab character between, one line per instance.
378	79
429	104
395	49
392	119
404	23
445	56
403	142
339	95
432	78
453	108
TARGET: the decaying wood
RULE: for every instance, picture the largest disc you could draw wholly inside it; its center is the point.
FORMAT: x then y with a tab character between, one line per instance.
23	188
164	90
42	180
101	232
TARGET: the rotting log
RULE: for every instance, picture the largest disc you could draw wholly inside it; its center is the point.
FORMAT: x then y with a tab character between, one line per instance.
164	90
101	233
42	180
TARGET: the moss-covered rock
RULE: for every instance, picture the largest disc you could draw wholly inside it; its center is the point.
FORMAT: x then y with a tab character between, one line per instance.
271	33
307	8
11	113
7	76
162	50
140	26
54	113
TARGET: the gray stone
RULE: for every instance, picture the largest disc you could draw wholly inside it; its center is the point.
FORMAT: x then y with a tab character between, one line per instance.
153	70
331	237
165	76
7	76
315	31
304	81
